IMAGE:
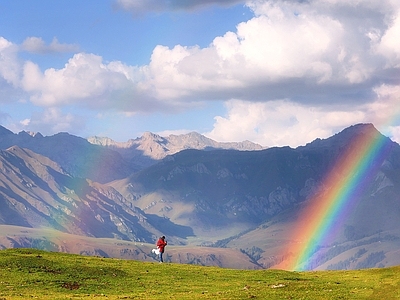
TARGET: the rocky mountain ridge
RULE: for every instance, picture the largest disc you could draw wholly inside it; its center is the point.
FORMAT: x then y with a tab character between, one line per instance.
102	159
150	147
74	154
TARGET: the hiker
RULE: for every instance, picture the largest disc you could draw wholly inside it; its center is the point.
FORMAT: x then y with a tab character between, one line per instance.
161	243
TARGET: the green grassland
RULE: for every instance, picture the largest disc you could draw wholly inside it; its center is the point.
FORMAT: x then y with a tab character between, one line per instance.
35	274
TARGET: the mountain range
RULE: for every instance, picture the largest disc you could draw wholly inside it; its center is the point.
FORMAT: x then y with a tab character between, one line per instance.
212	200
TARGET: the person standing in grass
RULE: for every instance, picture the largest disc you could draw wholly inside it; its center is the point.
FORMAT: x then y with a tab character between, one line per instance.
161	243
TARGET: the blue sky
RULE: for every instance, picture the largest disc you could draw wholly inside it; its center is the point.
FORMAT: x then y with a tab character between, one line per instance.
275	72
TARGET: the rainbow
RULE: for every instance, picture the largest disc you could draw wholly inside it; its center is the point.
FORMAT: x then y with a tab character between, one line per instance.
328	207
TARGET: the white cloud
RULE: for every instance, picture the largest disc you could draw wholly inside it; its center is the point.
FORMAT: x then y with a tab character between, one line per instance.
85	80
278	48
25	122
259	59
394	133
385	111
280	123
51	121
293	50
9	64
389	46
288	50
37	45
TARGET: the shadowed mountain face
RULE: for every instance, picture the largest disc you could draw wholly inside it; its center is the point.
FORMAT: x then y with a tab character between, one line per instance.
244	200
226	186
35	192
74	154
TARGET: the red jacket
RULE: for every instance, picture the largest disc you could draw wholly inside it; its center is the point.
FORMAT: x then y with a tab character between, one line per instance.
161	244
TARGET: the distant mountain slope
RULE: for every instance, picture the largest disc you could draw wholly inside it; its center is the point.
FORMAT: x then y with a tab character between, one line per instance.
74	154
36	192
223	187
150	148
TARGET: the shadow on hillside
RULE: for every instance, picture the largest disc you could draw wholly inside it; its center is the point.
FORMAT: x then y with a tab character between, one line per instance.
169	228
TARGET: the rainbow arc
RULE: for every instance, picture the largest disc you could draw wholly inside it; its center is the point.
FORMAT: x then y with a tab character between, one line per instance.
324	212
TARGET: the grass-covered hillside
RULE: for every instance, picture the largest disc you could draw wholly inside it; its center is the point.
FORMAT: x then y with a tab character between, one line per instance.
34	274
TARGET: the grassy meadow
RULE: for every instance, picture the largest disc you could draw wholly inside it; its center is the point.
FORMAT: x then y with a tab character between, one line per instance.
35	274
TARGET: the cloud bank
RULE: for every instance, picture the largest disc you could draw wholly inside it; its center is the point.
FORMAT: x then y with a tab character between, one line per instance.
294	64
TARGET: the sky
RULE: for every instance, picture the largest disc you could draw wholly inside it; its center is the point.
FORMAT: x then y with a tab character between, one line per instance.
274	72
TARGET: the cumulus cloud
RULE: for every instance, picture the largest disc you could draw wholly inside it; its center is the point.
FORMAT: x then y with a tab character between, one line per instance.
88	81
388	45
139	7
288	50
284	123
385	111
280	122
9	64
38	45
10	72
308	52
